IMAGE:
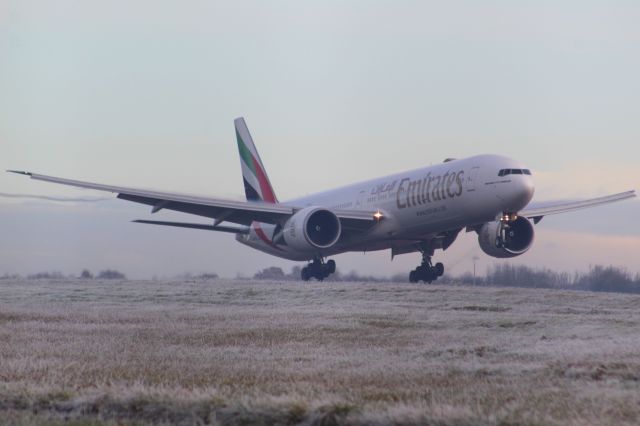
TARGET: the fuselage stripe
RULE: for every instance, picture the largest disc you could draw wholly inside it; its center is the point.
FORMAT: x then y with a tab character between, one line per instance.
260	233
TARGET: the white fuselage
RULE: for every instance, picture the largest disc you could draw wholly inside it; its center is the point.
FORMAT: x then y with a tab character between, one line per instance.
415	205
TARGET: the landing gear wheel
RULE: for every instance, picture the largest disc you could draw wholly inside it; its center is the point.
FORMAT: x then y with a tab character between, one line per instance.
318	269
304	274
331	267
426	271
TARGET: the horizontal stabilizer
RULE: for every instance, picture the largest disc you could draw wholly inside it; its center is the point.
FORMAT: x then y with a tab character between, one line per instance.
230	229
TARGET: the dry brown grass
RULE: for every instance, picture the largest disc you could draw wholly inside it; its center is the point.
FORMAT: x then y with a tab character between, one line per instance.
233	352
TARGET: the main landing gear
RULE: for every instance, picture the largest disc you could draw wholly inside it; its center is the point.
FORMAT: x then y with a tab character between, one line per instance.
426	271
318	269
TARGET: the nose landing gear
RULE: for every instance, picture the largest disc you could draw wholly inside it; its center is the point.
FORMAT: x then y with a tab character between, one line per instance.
318	269
426	272
505	231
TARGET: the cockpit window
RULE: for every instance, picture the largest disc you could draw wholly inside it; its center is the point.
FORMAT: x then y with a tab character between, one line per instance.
505	172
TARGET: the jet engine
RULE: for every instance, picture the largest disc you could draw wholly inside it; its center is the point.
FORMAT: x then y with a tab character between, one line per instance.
312	228
506	239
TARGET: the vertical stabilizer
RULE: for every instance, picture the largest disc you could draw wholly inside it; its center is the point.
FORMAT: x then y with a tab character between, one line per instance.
256	182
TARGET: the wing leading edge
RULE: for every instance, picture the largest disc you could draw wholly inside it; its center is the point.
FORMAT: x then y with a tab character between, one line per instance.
537	211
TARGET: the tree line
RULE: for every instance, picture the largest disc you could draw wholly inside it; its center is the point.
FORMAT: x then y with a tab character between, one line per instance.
597	278
106	274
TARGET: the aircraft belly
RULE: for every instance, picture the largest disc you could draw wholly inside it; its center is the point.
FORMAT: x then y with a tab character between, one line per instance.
432	218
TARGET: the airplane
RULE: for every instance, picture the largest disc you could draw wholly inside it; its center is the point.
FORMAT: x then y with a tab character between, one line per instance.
421	210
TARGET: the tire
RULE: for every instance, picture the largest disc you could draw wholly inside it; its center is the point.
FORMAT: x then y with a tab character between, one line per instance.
424	274
331	266
430	275
439	269
304	274
412	277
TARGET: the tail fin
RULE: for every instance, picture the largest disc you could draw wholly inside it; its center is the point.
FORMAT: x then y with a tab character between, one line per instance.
256	182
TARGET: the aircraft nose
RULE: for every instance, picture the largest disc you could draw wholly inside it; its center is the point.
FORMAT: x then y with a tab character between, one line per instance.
522	193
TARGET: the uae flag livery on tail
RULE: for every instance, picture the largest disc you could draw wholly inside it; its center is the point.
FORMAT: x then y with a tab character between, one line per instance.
256	183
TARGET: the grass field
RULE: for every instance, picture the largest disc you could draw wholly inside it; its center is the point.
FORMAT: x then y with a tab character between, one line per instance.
239	352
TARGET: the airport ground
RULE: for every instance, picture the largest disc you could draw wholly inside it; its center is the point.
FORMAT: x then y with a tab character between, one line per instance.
252	352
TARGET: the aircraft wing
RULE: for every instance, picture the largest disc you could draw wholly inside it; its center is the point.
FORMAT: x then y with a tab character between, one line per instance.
536	211
228	210
240	212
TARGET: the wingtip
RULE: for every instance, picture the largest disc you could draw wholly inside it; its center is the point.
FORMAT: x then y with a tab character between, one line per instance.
19	172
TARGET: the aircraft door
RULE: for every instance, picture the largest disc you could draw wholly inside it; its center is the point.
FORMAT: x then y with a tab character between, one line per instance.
360	199
472	179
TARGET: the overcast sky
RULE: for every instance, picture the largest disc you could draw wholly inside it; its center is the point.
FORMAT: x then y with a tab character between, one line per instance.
143	94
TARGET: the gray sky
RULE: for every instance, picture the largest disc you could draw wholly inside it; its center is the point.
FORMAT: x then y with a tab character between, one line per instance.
143	93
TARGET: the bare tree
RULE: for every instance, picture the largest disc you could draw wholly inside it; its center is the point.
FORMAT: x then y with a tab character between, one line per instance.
111	274
270	273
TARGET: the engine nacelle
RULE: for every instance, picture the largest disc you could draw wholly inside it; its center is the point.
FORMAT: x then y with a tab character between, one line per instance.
504	240
312	228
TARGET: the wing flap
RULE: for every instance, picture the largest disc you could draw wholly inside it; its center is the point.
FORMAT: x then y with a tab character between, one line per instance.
220	228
